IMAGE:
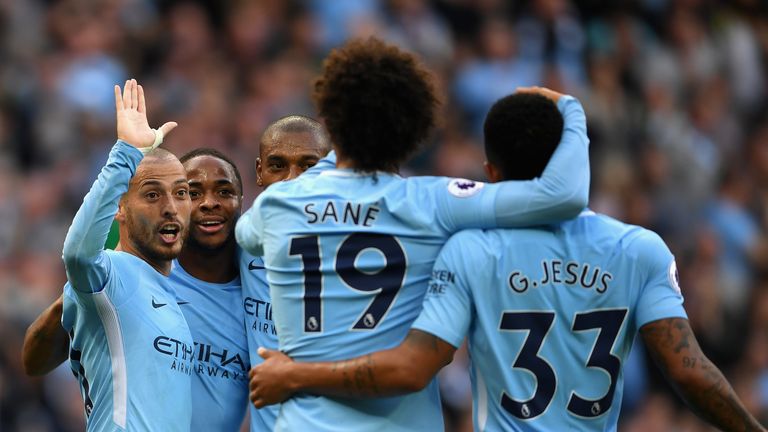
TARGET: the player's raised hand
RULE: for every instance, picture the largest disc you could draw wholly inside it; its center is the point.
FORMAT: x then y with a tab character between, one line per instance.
270	380
547	93
132	124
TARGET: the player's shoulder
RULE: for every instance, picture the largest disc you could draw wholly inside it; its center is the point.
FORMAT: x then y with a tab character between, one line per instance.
126	262
470	245
634	241
470	236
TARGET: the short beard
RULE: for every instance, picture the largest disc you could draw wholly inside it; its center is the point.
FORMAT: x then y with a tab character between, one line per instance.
141	235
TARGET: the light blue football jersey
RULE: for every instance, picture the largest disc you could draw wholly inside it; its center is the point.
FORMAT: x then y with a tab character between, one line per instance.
259	328
349	255
220	373
129	342
257	306
550	313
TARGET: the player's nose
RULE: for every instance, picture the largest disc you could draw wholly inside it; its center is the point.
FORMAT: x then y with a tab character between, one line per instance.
294	171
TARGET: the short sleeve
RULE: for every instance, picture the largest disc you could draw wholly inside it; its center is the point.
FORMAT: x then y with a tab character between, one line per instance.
560	193
463	203
447	311
660	296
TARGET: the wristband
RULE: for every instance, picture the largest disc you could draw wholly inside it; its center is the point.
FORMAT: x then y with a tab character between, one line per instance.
158	140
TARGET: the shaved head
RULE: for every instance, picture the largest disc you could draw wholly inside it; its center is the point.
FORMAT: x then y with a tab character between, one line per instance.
295	124
288	147
159	154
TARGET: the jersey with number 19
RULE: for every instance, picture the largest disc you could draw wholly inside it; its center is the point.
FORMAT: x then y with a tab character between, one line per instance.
551	313
348	257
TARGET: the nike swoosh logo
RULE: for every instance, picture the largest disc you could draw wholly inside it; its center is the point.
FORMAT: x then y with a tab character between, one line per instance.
156	305
182	302
252	266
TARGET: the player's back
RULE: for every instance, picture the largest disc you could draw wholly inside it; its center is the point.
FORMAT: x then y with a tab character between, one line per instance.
555	311
348	259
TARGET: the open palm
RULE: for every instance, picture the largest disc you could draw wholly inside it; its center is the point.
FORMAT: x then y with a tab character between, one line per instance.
132	124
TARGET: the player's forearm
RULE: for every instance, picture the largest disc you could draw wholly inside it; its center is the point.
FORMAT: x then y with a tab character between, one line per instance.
381	374
709	395
562	191
45	343
565	180
698	381
90	227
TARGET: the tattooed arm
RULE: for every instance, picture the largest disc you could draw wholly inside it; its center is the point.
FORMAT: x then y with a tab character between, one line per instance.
696	379
403	369
46	343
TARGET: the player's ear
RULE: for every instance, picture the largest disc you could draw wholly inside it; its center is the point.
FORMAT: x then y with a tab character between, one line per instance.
492	172
259	181
120	215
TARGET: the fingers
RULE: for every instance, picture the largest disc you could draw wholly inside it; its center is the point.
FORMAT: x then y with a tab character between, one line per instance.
118	99
262	352
167	128
127	94
134	94
547	93
142	101
257	402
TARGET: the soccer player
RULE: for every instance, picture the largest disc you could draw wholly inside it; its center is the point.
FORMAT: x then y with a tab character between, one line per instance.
207	281
289	147
550	313
206	278
130	343
348	252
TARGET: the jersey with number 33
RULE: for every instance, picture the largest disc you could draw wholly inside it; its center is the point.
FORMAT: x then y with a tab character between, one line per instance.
348	257
551	314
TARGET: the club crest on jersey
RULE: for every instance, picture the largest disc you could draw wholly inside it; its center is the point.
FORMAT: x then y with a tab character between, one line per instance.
462	188
674	277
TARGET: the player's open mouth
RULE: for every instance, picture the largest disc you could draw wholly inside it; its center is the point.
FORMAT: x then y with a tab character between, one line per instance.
211	225
169	232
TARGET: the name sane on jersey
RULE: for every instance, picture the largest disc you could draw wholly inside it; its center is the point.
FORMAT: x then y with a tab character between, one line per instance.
341	212
554	271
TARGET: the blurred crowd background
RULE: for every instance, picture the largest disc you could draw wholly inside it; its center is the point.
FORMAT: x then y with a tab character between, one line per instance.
674	90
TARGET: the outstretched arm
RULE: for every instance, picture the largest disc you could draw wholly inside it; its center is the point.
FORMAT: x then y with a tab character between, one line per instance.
83	246
45	343
696	379
562	191
405	369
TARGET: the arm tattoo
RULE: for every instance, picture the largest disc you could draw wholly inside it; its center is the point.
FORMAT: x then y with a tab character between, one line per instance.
358	376
700	383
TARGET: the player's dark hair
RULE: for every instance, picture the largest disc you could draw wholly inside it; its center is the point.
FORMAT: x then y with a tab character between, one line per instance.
205	151
521	133
299	124
377	101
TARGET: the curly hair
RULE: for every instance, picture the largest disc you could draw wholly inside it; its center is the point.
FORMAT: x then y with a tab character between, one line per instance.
521	133
378	103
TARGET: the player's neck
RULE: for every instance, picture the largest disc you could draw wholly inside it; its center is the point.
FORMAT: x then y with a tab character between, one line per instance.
214	266
344	163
